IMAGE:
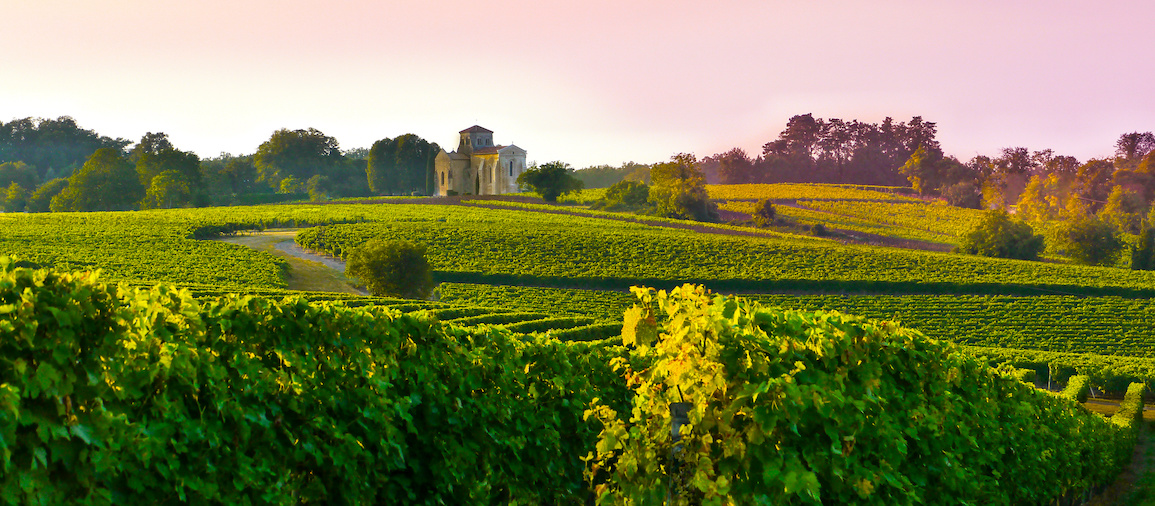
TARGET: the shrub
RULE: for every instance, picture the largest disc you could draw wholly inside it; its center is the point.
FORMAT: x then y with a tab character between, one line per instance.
391	268
630	193
964	194
764	213
999	236
1090	241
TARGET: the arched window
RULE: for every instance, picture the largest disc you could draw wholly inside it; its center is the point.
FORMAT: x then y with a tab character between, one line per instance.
442	179
511	167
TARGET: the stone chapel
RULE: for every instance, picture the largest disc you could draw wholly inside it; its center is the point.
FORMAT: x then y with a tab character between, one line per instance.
478	166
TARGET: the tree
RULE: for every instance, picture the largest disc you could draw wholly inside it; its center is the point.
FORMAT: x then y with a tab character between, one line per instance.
998	236
963	194
550	180
735	167
401	165
15	197
154	154
1124	210
41	199
604	176
291	184
297	153
628	193
1044	197
921	170
764	213
1135	145
20	173
106	182
1093	182
1143	254
169	189
1090	241
53	147
317	187
679	190
391	268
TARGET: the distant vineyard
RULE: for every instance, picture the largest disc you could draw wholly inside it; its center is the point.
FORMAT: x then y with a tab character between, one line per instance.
475	244
800	191
1108	326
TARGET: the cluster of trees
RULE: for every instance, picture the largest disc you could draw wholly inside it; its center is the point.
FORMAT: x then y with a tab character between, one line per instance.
816	150
54	165
604	176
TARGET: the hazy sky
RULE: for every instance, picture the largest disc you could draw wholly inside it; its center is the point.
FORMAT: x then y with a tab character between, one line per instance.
587	82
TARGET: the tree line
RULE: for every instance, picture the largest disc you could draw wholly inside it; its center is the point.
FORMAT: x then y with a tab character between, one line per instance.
55	165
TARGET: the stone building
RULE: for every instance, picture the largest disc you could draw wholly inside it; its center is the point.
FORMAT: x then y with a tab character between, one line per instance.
478	166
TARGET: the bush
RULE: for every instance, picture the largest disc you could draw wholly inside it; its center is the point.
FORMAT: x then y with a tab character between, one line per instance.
998	236
1090	241
764	213
630	193
391	268
964	194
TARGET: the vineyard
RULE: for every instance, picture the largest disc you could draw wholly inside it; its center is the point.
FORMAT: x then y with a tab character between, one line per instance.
114	394
520	281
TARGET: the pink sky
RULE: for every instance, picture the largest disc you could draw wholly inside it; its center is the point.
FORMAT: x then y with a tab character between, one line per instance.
586	82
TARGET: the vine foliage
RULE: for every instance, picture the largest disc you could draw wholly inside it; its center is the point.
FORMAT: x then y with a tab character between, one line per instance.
790	407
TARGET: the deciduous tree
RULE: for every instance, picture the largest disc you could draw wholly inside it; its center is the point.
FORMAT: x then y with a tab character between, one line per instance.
679	189
1090	241
999	236
169	189
106	182
550	180
41	199
297	153
401	165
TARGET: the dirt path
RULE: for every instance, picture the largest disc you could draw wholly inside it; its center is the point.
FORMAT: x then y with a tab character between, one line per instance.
308	271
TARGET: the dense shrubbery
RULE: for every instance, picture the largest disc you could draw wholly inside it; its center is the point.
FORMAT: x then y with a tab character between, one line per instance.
764	213
391	268
1090	241
624	196
112	395
999	236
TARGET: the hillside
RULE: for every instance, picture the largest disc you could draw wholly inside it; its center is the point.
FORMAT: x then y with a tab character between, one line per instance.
147	395
518	267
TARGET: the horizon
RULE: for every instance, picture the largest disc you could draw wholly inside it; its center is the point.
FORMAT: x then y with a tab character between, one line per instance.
592	84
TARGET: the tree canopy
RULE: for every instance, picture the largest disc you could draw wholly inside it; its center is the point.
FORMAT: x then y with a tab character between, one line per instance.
999	236
550	180
401	165
679	189
297	153
106	182
53	147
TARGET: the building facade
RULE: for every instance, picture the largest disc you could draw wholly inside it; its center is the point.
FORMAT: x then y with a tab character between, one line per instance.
478	166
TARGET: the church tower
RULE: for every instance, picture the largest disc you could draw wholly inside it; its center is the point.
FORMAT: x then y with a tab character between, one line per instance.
474	138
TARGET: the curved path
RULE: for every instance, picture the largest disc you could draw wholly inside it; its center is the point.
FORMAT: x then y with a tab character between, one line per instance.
290	247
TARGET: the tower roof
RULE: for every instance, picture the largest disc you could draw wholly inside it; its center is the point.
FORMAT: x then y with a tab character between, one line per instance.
475	129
